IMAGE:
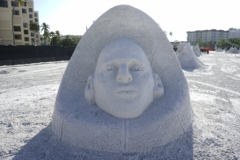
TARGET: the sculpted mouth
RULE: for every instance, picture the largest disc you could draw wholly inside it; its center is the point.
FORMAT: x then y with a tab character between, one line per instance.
126	92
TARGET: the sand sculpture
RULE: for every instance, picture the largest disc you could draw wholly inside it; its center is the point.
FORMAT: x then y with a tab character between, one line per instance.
196	50
230	50
219	50
233	50
98	103
187	58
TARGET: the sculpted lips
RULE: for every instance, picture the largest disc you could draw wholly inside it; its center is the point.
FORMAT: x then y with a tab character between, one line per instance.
126	92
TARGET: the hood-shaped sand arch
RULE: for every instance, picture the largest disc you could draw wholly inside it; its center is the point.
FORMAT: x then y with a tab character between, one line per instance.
86	126
187	58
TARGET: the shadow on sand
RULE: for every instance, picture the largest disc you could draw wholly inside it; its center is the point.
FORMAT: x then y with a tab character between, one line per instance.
46	146
189	69
36	147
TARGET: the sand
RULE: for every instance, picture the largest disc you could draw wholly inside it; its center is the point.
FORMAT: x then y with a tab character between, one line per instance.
28	93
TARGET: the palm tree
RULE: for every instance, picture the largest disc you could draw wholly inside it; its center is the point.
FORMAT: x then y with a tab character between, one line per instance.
46	36
41	38
52	34
57	33
45	28
21	2
68	40
34	27
57	39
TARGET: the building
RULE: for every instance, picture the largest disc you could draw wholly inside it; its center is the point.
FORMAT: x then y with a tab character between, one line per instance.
206	35
23	16
64	36
176	43
234	33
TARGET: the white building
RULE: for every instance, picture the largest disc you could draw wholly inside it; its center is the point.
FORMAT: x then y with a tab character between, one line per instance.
64	36
206	35
212	35
22	17
234	33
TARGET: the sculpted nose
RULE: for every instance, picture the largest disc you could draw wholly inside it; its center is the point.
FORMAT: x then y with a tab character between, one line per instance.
123	75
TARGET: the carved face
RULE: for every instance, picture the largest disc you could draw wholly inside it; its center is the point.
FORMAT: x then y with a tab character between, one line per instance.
123	81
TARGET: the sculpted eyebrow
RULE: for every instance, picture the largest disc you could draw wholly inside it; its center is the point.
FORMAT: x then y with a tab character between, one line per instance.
116	62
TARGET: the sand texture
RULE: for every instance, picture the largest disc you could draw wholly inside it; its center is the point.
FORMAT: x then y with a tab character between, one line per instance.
28	93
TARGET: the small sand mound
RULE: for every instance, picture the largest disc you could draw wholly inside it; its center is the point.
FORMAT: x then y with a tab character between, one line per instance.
219	50
22	70
187	58
4	72
233	50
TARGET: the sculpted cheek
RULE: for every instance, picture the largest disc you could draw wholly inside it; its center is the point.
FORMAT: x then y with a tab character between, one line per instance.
100	78
147	77
149	80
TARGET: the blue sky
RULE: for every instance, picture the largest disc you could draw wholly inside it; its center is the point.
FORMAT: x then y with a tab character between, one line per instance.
177	16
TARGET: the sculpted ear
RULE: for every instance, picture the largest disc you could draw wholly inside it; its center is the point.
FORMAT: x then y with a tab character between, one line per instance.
89	90
158	89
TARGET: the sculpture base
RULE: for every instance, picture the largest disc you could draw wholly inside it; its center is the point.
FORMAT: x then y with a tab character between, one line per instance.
163	122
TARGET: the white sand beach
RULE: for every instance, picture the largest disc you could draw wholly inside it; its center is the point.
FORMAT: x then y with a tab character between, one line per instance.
27	97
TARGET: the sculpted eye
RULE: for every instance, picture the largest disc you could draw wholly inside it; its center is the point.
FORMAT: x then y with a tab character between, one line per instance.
109	68
137	68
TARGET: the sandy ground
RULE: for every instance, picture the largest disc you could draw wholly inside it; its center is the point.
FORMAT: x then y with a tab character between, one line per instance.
28	92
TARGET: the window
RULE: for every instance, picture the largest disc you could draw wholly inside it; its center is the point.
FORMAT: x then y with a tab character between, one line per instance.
26	39
36	20
31	21
4	4
18	36
32	40
15	12
17	28
14	4
30	9
30	16
25	4
24	11
25	31
35	14
32	34
25	25
36	35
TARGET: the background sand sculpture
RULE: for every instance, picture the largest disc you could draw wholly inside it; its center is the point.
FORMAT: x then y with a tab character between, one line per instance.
196	50
233	50
80	124
219	50
186	57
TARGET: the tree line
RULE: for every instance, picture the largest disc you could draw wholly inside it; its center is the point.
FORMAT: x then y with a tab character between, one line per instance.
228	43
222	43
55	37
